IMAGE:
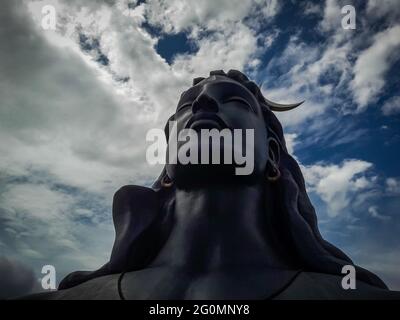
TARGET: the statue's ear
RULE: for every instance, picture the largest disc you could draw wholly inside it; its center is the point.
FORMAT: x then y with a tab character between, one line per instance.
274	150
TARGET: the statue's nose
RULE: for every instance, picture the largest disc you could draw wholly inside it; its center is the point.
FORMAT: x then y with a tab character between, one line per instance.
206	103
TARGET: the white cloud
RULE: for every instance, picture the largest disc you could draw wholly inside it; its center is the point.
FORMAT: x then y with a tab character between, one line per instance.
291	142
374	212
332	16
383	8
301	75
332	62
72	137
372	65
36	201
393	185
191	15
337	184
312	8
269	7
63	115
391	106
233	50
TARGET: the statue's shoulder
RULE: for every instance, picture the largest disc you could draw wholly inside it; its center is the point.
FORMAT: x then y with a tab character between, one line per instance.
102	288
131	201
320	286
134	207
133	195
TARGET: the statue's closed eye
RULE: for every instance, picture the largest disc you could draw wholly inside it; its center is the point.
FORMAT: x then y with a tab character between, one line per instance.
230	99
240	100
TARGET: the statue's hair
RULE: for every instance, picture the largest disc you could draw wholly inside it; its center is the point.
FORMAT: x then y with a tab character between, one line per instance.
144	218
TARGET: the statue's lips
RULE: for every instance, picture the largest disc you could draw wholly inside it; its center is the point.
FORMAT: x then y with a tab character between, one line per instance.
206	121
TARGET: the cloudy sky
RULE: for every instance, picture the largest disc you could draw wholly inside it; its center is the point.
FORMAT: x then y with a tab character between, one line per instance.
76	104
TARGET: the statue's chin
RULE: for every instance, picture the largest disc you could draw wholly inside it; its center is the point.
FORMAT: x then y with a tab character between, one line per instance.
200	169
201	174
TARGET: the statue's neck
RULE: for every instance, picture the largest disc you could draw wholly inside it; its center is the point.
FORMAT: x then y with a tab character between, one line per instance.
219	227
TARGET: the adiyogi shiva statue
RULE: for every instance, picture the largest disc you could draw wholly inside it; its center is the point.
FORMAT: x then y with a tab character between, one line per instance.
202	231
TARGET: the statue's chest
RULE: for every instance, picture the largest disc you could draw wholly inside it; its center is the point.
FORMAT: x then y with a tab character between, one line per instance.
171	283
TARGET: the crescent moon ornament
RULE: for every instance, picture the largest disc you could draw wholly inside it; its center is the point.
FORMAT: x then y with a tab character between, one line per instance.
281	107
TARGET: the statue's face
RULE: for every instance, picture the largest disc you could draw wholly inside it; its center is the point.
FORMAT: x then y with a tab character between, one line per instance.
223	104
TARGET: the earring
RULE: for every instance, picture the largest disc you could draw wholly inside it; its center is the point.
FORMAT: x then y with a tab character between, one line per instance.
166	181
274	161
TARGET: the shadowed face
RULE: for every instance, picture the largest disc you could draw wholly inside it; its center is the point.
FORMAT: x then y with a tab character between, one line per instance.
224	105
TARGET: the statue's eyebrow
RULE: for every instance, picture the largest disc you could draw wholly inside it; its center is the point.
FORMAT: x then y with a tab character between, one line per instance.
243	95
244	92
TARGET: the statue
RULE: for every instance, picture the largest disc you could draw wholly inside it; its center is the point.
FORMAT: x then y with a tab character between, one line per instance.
203	232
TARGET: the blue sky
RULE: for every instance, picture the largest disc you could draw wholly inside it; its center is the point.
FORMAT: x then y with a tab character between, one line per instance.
77	103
